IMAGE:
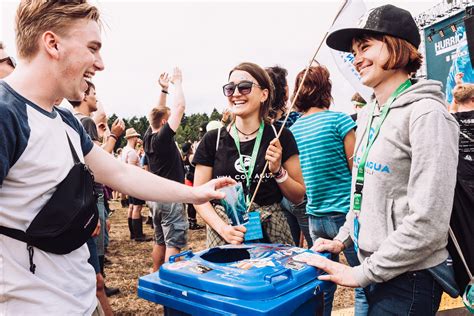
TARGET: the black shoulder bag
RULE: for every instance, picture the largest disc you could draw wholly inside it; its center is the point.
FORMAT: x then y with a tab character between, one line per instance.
67	220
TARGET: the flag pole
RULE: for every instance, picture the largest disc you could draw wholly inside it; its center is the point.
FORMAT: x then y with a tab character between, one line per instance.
294	99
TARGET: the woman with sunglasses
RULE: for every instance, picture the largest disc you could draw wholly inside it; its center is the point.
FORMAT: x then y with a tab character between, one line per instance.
403	175
240	151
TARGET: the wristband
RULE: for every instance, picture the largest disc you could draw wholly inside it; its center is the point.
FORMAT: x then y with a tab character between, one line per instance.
113	136
283	177
164	91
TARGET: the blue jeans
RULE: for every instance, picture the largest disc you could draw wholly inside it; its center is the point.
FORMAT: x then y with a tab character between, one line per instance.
297	220
328	227
412	293
100	239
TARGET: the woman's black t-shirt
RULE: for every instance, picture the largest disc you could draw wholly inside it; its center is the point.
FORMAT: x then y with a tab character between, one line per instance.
226	161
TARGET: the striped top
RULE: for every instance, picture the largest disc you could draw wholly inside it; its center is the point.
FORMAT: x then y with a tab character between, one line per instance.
320	140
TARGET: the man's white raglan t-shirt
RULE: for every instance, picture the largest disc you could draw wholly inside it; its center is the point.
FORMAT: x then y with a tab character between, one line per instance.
34	158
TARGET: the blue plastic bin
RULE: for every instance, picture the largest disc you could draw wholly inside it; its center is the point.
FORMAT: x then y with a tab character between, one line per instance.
250	279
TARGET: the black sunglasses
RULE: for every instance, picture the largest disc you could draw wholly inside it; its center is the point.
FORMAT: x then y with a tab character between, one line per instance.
245	87
10	60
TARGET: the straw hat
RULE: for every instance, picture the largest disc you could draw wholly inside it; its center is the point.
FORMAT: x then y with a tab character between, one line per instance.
131	132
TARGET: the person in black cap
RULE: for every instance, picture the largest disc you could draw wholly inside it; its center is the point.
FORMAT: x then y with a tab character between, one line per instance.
403	175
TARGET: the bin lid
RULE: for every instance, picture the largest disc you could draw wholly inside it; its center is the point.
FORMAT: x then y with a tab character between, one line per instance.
248	271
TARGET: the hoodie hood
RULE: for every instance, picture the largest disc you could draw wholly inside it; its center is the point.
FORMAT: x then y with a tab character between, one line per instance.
421	89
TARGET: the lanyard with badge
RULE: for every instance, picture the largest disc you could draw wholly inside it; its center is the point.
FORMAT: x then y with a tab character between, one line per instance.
254	226
359	184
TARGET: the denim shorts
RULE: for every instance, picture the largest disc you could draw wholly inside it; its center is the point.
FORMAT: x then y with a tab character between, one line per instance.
171	224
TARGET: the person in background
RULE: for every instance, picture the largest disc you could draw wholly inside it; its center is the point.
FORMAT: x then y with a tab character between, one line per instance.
279	106
7	63
358	103
83	110
189	168
240	151
164	158
462	218
403	177
295	213
130	156
325	140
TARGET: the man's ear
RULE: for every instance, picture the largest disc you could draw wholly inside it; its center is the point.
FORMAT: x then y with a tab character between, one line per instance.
50	41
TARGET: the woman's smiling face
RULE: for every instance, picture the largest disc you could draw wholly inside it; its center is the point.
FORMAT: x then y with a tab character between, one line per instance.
369	57
246	105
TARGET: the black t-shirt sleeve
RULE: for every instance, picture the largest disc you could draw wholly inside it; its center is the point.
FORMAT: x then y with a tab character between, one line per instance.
288	142
164	137
90	127
206	151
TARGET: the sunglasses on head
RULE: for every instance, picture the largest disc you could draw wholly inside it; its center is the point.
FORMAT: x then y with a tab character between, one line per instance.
244	87
10	60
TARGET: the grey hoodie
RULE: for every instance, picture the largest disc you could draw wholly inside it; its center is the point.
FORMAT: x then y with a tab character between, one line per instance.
409	185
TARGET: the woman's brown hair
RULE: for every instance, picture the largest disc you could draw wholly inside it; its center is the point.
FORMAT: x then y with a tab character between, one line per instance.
402	54
316	89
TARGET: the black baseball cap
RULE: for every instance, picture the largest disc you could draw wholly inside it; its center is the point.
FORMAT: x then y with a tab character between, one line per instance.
384	20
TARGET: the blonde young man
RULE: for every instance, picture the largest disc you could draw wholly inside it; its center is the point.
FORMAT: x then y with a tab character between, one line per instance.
58	45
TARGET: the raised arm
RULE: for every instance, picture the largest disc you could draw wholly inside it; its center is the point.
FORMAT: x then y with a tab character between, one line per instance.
164	82
179	105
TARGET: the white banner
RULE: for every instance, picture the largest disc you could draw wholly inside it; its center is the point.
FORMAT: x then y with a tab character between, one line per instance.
350	15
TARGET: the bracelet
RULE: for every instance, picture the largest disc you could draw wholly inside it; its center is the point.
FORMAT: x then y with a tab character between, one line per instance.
278	173
164	91
283	177
113	136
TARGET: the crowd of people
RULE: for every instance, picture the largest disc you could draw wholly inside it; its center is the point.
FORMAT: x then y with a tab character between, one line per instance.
382	186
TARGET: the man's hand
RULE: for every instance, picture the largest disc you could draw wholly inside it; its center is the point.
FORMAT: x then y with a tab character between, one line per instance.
208	191
233	234
164	81
118	126
177	76
336	272
333	246
458	78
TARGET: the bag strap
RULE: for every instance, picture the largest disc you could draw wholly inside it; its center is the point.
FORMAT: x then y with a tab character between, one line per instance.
218	138
21	236
458	248
73	151
14	233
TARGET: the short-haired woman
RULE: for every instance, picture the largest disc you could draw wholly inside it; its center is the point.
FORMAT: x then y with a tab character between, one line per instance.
404	172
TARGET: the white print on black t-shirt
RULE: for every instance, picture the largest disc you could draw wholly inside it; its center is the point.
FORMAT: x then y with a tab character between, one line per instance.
246	160
242	178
